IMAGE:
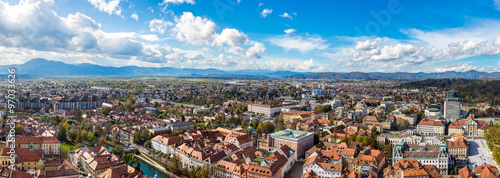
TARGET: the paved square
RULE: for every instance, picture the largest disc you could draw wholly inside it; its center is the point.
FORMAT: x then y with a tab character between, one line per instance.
479	153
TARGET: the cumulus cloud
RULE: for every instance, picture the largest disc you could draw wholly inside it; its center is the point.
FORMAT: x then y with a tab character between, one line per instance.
35	27
231	36
302	44
290	31
286	15
311	66
253	52
149	37
194	30
378	49
160	26
261	4
266	12
199	30
110	7
134	16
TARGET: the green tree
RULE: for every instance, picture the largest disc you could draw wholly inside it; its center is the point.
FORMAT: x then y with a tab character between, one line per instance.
129	106
147	144
62	133
19	129
118	150
90	137
392	108
101	141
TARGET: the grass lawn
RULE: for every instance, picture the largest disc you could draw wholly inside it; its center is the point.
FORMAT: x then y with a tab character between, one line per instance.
68	145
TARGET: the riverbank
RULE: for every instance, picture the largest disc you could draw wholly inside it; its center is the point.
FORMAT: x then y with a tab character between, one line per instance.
155	165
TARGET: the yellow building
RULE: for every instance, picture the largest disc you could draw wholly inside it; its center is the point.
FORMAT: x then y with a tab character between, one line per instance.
50	145
26	159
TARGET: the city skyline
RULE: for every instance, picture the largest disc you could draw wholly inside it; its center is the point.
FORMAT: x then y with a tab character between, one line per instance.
323	36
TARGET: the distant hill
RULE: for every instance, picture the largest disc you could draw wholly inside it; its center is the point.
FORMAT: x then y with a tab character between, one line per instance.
43	67
397	76
447	83
471	90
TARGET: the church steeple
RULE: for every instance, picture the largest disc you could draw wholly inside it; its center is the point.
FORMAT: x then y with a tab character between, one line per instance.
31	146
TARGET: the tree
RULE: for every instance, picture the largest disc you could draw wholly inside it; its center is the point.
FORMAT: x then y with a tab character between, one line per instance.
137	166
90	137
136	151
102	140
387	150
145	136
392	108
118	150
63	153
374	129
73	134
176	164
129	158
129	106
147	144
19	129
62	133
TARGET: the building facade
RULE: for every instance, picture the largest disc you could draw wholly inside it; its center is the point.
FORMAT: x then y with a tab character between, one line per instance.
452	106
436	155
80	102
299	141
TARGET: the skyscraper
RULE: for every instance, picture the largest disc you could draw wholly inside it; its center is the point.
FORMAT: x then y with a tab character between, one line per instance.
452	106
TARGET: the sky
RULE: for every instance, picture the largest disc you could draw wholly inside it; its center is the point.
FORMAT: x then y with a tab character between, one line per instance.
293	35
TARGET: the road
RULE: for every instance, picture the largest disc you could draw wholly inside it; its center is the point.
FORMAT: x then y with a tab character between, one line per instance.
479	153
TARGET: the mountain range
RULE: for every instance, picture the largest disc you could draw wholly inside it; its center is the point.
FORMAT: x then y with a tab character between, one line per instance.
43	67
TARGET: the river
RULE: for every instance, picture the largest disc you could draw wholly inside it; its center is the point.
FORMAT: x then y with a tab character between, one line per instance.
150	171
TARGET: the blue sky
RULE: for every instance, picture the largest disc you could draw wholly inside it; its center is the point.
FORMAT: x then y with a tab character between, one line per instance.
296	35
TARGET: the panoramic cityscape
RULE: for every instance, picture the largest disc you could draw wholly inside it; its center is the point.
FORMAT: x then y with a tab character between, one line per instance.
249	89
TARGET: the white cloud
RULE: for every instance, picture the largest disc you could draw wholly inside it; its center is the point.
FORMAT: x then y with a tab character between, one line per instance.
231	36
253	52
149	37
379	49
286	15
134	16
160	26
235	50
199	30
290	31
311	66
194	30
464	67
177	2
110	7
266	12
261	4
497	4
479	30
165	3
302	44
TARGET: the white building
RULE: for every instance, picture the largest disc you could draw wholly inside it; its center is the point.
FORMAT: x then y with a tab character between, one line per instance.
321	167
269	110
431	127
